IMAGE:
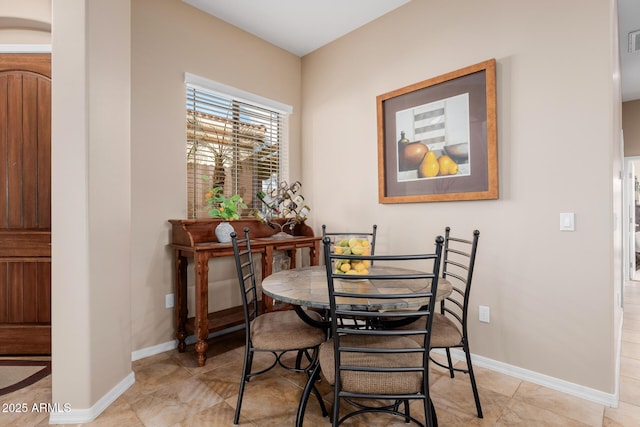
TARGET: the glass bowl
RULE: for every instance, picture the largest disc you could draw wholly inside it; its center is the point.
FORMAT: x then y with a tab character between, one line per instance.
351	245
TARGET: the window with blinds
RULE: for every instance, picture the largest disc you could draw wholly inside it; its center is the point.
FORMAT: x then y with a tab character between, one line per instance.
233	144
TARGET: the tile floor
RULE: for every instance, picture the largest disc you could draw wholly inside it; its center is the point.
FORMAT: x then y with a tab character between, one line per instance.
170	390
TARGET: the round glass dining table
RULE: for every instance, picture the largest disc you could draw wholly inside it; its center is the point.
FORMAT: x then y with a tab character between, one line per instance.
307	287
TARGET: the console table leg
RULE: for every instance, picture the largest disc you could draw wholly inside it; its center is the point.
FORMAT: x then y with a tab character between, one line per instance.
181	299
201	350
182	345
267	303
314	253
202	306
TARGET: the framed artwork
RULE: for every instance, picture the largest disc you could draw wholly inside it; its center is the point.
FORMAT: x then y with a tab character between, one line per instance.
437	139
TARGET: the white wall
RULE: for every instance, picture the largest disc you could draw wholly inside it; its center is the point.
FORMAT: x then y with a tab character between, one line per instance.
550	292
91	206
170	38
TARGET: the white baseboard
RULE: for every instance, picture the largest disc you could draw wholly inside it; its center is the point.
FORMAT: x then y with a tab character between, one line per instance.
597	396
153	350
170	345
78	416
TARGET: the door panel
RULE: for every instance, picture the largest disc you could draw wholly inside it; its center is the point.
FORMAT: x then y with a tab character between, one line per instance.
25	204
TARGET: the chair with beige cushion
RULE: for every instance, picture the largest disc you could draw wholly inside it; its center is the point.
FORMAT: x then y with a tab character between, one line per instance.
377	369
277	332
450	324
449	329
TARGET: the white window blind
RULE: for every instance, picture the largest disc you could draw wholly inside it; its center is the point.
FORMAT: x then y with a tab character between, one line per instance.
233	142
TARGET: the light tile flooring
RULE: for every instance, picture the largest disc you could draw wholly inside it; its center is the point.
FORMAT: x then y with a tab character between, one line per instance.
170	390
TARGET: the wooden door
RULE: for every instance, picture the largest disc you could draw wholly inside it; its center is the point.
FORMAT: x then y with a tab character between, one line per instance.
25	204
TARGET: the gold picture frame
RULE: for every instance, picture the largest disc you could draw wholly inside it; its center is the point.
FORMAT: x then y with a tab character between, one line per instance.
452	116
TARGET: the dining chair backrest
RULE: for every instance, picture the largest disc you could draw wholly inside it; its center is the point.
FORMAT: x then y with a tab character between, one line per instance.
337	236
458	262
379	363
450	323
275	332
246	277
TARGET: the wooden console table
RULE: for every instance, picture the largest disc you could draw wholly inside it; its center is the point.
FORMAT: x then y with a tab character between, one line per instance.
195	239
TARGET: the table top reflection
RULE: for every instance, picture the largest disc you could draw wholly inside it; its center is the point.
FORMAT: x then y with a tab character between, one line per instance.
307	287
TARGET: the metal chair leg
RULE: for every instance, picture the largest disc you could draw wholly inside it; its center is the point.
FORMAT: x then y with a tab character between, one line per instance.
472	377
246	370
449	362
434	416
310	387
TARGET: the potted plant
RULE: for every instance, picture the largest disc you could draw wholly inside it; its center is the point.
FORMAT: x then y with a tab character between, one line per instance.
226	208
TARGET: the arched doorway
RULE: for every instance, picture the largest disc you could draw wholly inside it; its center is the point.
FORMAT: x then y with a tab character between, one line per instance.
25	191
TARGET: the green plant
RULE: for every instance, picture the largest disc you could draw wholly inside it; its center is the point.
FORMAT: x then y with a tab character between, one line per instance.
221	206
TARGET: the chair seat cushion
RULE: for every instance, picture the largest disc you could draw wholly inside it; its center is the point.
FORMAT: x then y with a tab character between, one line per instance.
444	332
374	382
284	330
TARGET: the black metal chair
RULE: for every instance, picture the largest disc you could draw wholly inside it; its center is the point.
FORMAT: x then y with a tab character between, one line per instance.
450	324
375	364
275	332
450	320
449	328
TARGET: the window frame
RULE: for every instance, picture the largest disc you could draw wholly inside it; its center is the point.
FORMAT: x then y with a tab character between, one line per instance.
235	139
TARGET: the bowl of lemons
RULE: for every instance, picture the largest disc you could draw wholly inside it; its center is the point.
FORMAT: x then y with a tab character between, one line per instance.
352	245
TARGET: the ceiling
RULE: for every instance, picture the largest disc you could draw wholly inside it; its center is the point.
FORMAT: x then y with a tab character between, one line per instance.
299	27
308	25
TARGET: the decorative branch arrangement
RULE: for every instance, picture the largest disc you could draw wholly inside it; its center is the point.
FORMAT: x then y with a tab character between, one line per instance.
286	202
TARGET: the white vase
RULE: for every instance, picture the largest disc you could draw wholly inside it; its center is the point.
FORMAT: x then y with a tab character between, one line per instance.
223	232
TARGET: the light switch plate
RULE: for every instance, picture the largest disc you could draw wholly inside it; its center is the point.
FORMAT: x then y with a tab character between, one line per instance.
168	301
567	221
484	314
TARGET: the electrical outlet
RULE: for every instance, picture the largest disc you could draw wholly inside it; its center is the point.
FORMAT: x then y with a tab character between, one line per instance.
484	314
168	301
